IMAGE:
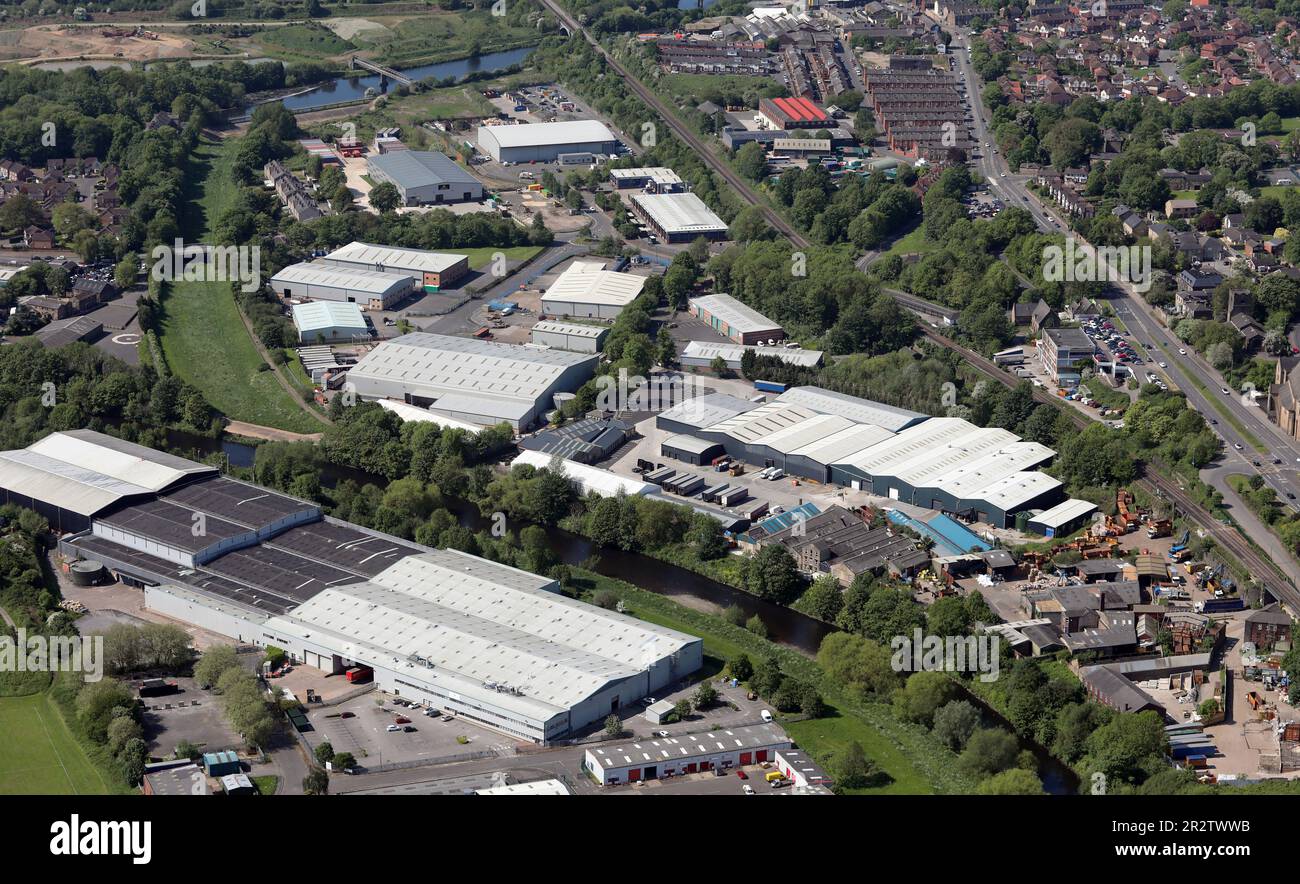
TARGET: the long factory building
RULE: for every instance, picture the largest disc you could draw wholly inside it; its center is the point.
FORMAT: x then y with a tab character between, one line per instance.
480	382
456	632
947	464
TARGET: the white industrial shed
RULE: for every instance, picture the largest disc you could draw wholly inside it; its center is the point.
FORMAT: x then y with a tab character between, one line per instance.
325	282
569	336
431	271
415	413
544	142
481	382
590	480
323	322
734	319
678	217
585	293
498	645
702	353
864	411
70	476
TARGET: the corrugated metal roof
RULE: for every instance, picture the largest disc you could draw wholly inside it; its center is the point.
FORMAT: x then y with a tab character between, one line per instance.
541	134
1065	512
757	425
590	479
415	413
328	314
391	259
679	212
735	314
864	411
334	276
417	168
734	353
580	285
480	625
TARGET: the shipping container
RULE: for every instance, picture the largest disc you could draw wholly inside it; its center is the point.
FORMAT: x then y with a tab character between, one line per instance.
360	674
770	386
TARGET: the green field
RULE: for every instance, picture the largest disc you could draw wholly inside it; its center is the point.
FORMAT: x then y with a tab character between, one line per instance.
480	257
307	40
41	757
441	36
203	337
912	242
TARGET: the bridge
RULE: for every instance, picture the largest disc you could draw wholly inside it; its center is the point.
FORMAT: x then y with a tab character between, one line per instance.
384	72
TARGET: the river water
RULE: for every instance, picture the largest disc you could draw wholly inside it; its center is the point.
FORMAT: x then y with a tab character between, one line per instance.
785	625
354	88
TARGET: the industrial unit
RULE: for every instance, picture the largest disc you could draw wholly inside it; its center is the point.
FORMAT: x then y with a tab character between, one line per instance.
482	382
638	760
590	480
655	179
425	177
585	292
947	464
740	322
792	113
569	336
544	142
324	282
678	217
702	353
325	322
492	643
432	271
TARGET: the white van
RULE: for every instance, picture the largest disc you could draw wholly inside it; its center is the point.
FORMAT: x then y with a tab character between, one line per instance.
765	473
766	715
777	473
526	176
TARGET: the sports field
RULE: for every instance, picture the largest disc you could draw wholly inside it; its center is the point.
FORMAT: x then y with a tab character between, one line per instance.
38	755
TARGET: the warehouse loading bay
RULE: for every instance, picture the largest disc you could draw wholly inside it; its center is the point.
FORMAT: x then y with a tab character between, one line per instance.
447	754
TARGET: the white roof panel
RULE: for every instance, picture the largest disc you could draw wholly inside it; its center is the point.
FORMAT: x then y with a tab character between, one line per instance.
864	411
127	461
391	259
541	134
335	276
1064	512
590	479
738	315
679	212
580	285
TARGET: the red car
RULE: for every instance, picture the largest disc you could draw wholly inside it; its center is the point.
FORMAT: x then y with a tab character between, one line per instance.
401	719
740	773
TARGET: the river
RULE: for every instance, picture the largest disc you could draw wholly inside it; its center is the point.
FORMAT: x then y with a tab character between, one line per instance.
354	88
785	625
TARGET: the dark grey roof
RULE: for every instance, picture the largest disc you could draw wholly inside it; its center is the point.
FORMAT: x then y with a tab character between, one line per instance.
416	168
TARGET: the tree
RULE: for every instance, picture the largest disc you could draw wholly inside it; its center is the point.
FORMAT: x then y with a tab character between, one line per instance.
767	676
317	782
824	599
344	761
756	625
772	575
1012	782
740	667
324	752
989	751
955	722
613	726
719	367
214	663
924	694
751	161
385	196
682	709
852	769
705	696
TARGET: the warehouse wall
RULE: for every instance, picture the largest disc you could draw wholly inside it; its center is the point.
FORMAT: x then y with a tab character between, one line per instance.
162	600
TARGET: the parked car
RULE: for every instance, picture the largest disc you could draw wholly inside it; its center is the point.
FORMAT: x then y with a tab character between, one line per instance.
748	789
410	729
392	728
661	734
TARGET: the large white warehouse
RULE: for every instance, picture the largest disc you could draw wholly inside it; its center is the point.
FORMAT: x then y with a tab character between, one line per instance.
544	142
492	643
325	282
481	382
584	292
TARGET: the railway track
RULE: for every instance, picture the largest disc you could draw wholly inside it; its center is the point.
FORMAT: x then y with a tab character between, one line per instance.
643	92
1259	565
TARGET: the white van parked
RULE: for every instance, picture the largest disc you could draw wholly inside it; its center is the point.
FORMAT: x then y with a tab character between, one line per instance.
777	473
767	716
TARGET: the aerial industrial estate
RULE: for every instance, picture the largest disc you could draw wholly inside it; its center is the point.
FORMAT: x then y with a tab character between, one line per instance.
860	398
